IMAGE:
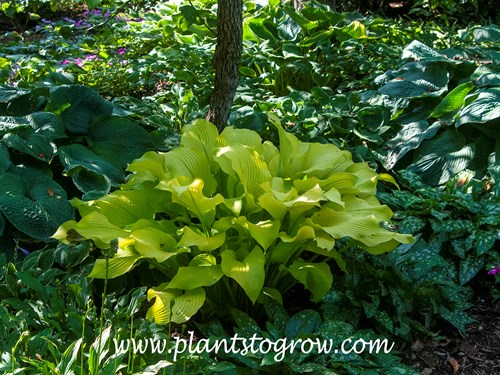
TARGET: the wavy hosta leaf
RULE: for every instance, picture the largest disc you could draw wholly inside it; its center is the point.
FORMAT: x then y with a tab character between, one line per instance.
37	208
192	197
95	226
47	124
248	271
264	232
204	243
77	106
128	206
149	167
193	164
154	243
200	135
316	277
174	305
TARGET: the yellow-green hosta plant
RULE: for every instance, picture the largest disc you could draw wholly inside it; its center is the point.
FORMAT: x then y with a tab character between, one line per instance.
227	218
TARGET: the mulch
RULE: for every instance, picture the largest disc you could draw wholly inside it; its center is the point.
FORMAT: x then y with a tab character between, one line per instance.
476	352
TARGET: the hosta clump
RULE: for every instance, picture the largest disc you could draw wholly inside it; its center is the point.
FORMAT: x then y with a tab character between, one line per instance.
227	218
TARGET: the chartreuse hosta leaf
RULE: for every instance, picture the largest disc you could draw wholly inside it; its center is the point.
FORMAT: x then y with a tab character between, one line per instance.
220	206
316	277
174	305
246	269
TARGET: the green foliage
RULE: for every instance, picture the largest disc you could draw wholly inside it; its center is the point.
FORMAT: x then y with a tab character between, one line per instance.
237	214
68	130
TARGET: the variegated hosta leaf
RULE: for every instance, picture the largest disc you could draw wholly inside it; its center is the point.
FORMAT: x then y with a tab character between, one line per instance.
174	305
248	272
316	277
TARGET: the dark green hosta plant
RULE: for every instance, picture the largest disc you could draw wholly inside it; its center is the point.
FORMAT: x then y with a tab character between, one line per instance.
228	218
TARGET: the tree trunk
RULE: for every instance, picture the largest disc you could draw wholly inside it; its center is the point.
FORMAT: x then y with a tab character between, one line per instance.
226	60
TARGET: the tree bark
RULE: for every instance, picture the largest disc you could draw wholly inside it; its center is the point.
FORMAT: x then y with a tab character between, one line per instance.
226	60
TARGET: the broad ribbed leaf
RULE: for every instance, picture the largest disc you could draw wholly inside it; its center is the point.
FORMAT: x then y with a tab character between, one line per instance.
408	138
96	227
204	243
120	264
47	124
172	305
200	135
154	243
30	143
8	123
438	159
125	207
77	106
4	158
264	232
191	197
484	108
37	208
193	277
316	277
248	272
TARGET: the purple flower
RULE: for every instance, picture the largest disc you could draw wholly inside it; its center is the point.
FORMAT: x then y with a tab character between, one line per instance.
107	14
121	51
79	62
91	57
65	62
494	271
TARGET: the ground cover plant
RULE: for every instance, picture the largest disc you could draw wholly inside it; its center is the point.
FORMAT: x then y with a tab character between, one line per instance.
98	126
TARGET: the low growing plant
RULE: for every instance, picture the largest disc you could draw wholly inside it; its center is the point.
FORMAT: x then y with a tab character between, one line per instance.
228	219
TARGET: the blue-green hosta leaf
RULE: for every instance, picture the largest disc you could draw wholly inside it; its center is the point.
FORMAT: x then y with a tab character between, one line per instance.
47	124
418	50
94	184
76	156
402	89
483	109
174	305
77	106
30	143
486	75
123	261
8	93
9	123
4	158
154	243
37	208
453	101
316	277
118	140
408	138
191	237
490	33
247	270
440	158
